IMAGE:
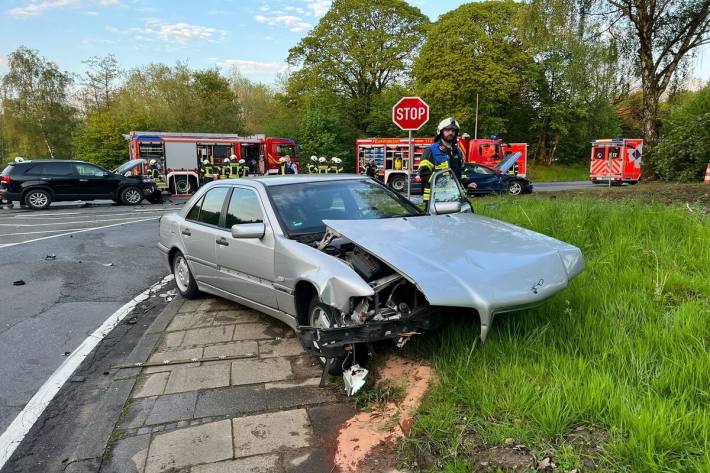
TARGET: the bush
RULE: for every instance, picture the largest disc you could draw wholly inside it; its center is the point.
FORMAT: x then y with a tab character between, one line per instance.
682	153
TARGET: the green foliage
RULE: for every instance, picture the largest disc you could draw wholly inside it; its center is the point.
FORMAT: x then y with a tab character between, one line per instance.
474	49
624	348
557	172
38	118
682	153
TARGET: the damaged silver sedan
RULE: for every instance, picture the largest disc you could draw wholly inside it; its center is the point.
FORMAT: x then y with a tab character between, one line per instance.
345	261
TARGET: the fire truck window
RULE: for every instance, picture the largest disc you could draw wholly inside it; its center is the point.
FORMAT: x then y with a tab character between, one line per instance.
212	206
221	151
598	153
613	153
83	169
244	207
283	150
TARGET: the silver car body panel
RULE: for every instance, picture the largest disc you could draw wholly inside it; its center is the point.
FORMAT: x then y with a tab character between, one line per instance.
467	260
455	260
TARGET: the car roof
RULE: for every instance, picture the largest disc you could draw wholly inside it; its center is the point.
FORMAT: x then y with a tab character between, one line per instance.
278	180
42	161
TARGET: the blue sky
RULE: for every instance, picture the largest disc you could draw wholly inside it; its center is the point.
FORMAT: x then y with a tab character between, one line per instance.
252	35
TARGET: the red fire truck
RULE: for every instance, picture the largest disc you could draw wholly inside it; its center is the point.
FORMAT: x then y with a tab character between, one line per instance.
391	156
180	155
616	161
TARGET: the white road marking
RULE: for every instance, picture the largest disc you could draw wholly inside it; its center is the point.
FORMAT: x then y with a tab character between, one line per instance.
16	432
60	216
41	231
76	231
67	223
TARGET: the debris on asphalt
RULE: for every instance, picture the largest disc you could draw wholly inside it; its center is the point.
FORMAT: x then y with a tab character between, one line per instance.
361	435
77	379
67	353
50	257
19	282
132	321
354	378
106	373
107	264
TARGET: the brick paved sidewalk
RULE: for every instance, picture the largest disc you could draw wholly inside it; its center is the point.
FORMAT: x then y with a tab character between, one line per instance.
257	410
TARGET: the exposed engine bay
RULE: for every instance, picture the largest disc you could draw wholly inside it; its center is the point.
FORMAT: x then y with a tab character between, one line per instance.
397	310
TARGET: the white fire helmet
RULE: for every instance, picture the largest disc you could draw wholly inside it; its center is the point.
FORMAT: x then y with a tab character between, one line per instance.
233	157
205	162
314	159
241	161
19	159
226	161
337	160
448	123
282	159
153	162
322	159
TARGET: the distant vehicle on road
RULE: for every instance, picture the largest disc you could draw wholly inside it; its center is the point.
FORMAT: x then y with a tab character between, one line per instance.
616	160
39	183
317	253
478	179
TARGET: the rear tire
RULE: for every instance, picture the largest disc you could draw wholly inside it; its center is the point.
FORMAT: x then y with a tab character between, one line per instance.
184	280
323	316
38	199
183	185
131	196
515	188
398	183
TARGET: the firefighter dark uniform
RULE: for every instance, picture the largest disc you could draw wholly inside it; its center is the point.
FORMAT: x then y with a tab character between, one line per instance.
336	166
154	174
234	170
285	167
323	166
207	171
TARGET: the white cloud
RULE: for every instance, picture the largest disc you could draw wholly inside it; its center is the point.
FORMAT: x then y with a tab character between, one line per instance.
318	7
252	67
185	32
38	7
182	33
292	22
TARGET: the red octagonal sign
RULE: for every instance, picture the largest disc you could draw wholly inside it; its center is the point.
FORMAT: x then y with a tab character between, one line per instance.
410	113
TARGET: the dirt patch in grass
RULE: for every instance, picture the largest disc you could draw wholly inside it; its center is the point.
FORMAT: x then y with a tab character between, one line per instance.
693	194
365	442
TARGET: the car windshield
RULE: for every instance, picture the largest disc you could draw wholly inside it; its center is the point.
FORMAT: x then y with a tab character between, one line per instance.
302	207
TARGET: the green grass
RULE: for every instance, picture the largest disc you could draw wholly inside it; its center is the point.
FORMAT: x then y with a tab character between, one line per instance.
625	348
558	172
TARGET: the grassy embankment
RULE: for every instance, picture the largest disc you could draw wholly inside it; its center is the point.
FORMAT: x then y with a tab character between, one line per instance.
558	172
625	349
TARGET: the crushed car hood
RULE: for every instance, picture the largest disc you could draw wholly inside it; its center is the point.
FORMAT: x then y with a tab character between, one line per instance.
466	260
507	163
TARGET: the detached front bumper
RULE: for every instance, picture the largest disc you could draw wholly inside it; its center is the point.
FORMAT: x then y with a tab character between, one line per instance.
331	342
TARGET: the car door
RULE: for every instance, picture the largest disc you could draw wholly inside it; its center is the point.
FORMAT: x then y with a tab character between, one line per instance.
95	182
246	265
62	179
199	232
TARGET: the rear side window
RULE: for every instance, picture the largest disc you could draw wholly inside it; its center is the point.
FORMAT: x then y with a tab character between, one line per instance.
7	170
58	169
212	206
195	210
84	169
244	207
36	170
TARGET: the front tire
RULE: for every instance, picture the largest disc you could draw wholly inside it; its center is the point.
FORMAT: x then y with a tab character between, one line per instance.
38	199
183	185
323	316
515	188
184	280
131	196
398	183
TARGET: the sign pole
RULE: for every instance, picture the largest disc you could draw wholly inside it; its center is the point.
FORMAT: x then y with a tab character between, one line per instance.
410	166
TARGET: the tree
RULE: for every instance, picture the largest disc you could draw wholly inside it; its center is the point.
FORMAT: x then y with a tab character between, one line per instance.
356	51
99	81
665	33
35	102
682	153
473	50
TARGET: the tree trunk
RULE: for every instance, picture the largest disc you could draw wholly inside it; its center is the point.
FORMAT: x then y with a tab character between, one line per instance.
649	111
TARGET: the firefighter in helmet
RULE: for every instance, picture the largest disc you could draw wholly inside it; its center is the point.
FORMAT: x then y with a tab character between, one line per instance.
243	168
322	165
286	166
336	165
224	170
371	168
442	154
207	170
233	167
313	165
154	172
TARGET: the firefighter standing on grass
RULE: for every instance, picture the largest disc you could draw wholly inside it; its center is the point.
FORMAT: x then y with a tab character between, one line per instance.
336	165
323	165
313	165
443	154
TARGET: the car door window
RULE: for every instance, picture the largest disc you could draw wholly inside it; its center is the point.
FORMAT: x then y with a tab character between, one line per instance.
195	210
58	169
87	170
446	188
244	207
212	206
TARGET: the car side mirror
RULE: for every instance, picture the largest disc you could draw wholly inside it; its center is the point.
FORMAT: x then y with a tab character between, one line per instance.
248	230
107	174
442	208
127	173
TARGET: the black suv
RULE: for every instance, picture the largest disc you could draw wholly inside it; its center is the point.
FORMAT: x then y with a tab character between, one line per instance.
39	183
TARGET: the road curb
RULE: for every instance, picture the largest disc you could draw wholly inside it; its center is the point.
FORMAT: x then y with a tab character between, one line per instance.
88	455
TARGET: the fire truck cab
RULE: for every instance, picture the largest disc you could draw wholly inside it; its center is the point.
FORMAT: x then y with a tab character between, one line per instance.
490	153
180	156
616	161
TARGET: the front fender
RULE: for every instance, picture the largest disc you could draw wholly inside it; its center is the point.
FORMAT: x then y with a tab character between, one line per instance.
334	280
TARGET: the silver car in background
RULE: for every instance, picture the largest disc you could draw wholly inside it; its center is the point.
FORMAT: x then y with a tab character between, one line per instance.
344	260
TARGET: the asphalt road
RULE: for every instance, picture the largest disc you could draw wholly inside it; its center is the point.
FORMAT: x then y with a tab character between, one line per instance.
562	186
79	264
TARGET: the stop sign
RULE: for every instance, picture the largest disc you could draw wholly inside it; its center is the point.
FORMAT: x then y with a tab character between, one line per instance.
410	113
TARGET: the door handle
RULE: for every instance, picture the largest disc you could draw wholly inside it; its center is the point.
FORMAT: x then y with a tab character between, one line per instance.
186	232
223	242
83	180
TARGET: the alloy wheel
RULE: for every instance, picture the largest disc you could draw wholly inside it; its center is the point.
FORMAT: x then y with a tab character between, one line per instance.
181	273
37	199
